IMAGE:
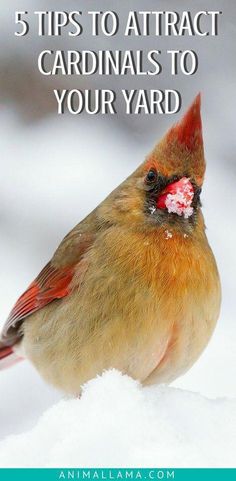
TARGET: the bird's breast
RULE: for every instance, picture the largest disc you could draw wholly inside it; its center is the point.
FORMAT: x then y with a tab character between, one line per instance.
172	299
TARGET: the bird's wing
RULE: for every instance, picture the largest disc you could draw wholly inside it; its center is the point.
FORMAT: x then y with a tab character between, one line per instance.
53	282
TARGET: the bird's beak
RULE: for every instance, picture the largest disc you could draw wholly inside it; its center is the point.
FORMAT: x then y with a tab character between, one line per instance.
177	197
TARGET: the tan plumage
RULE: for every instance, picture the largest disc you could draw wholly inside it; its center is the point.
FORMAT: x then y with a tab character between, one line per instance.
144	295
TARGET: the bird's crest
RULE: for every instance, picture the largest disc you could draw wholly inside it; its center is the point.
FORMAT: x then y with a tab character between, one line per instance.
181	151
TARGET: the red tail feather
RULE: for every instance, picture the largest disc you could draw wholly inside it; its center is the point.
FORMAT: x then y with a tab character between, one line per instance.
5	351
8	357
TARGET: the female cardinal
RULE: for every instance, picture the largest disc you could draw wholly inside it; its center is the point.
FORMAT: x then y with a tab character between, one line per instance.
134	286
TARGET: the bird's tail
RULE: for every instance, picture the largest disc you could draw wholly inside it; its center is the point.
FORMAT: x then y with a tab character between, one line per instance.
7	356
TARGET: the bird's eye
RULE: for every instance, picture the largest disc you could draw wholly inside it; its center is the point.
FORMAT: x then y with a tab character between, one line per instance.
151	176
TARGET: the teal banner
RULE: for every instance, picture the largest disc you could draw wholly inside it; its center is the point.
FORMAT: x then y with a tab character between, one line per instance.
87	474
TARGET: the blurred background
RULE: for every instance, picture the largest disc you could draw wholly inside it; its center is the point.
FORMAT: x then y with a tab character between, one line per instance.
56	169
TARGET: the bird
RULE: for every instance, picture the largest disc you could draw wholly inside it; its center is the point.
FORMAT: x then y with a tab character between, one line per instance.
134	286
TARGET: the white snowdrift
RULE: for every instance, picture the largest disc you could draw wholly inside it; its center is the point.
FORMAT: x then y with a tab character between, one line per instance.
116	422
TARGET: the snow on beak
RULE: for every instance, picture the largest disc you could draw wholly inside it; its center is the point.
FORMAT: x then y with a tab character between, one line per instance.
177	198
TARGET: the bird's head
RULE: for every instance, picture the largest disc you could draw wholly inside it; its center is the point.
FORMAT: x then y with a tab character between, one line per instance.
166	187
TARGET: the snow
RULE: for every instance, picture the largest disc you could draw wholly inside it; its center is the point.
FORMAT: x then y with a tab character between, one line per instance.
152	209
180	201
116	422
168	234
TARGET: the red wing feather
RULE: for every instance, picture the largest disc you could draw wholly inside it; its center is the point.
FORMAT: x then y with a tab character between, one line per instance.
51	283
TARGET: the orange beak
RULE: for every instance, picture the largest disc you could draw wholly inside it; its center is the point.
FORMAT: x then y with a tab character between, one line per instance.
177	198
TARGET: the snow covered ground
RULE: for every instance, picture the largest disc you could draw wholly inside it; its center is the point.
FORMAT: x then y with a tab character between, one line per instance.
118	423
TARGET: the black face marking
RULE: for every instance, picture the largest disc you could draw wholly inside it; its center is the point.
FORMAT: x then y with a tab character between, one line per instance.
162	215
157	185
